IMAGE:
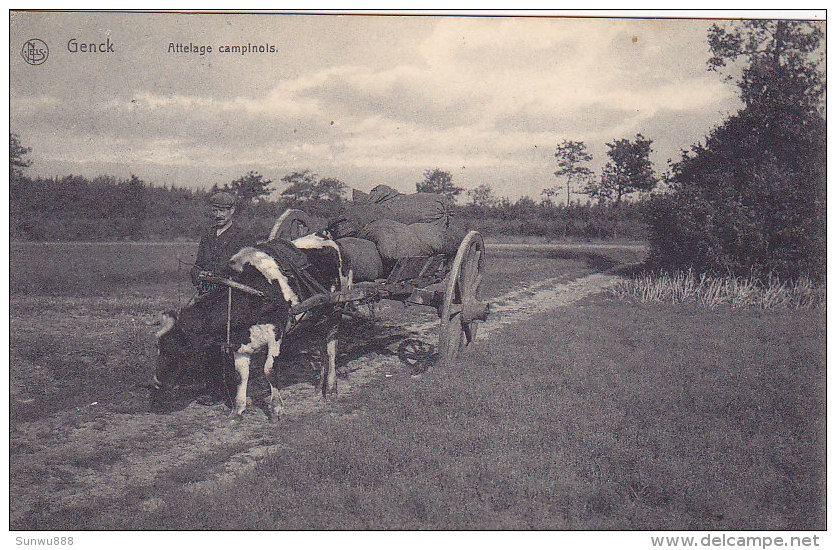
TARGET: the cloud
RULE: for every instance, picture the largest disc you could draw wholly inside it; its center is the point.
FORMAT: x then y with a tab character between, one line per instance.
490	94
403	93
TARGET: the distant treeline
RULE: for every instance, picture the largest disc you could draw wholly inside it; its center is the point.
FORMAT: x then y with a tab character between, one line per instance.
74	208
576	222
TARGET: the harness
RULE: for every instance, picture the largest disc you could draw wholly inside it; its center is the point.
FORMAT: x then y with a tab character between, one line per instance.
300	273
293	261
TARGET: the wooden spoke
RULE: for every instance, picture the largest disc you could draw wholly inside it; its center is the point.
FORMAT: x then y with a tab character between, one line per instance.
461	300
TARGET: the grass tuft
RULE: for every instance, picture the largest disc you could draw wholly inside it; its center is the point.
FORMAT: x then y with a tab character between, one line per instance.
712	292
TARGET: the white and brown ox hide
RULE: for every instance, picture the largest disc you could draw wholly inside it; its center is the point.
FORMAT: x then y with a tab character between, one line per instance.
255	322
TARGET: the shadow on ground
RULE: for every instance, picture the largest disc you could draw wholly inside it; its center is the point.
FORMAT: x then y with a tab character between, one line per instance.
299	363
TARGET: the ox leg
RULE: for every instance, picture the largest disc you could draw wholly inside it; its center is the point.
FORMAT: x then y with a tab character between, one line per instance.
275	402
242	367
328	373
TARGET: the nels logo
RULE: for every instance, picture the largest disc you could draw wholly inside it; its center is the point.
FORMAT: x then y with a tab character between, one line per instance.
35	51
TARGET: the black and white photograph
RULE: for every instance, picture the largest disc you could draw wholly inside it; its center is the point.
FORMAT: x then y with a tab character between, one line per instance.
535	271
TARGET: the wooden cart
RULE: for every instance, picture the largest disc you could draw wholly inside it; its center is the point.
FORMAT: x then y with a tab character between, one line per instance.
450	285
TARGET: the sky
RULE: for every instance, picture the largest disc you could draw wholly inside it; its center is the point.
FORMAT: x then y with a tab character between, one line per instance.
367	99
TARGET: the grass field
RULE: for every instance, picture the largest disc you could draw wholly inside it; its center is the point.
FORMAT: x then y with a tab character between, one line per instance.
605	416
602	415
96	269
146	269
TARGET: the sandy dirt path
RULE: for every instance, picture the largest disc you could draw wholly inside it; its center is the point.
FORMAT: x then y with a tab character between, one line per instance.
72	459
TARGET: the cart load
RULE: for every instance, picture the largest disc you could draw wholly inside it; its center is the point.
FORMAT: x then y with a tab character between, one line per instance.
385	203
424	258
379	228
362	257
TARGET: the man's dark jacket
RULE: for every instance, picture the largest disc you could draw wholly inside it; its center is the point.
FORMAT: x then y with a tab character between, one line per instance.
214	251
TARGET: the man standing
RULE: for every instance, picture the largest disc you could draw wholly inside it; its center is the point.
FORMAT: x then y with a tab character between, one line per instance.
216	247
219	244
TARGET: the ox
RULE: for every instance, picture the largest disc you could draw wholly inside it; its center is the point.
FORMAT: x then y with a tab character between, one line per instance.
285	275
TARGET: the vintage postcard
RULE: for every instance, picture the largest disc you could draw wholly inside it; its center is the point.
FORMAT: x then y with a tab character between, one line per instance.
525	271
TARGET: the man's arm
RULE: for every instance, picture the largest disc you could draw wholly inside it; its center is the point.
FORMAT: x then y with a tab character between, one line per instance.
201	261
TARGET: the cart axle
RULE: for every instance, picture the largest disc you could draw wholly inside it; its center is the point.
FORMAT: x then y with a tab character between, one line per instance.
475	310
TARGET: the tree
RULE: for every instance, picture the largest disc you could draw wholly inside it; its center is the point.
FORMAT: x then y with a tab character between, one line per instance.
781	59
570	157
330	189
482	196
134	205
438	181
300	185
16	161
598	191
628	170
306	185
751	199
250	188
781	84
548	193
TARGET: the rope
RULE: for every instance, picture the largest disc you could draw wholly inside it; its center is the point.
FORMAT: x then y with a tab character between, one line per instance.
228	346
228	315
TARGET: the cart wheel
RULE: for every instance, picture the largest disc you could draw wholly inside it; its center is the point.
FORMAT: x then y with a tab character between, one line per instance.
462	307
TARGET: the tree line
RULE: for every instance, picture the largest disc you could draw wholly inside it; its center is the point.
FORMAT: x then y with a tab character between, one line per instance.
73	208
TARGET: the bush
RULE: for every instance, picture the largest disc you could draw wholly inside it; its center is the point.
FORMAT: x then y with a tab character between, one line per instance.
768	222
750	201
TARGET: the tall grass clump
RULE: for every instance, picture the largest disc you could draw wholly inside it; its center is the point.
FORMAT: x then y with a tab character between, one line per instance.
711	292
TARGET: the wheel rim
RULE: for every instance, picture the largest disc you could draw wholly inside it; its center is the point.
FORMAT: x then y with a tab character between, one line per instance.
470	283
458	326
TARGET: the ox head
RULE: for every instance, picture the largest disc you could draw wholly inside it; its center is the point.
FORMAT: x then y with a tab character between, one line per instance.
175	353
183	364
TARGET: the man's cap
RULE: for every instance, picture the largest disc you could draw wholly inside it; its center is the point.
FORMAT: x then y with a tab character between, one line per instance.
222	199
